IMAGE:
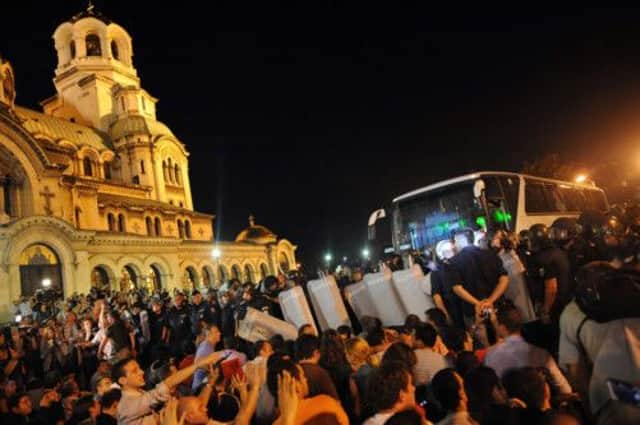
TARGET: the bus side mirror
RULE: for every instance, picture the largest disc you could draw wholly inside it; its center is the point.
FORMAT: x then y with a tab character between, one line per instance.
478	188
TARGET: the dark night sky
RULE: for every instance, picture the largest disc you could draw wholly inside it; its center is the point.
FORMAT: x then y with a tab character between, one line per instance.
310	117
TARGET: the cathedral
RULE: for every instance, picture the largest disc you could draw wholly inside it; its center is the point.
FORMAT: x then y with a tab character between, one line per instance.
95	190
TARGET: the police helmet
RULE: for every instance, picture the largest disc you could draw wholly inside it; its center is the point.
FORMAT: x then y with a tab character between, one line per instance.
592	223
539	237
565	229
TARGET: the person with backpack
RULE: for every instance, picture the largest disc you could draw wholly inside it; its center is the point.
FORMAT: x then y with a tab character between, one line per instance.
600	340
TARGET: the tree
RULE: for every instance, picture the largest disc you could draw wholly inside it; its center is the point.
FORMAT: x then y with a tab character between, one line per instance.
552	166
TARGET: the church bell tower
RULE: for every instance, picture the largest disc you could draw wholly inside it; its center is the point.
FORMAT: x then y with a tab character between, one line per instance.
95	80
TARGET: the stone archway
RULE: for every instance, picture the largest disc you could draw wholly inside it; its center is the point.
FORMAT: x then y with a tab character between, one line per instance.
101	277
283	262
130	277
191	278
40	270
49	231
155	277
17	179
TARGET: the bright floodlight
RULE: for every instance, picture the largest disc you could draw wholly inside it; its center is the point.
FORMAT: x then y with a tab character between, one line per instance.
328	257
581	178
46	283
215	253
365	253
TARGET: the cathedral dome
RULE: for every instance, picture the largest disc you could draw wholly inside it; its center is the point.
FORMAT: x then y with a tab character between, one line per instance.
256	234
136	125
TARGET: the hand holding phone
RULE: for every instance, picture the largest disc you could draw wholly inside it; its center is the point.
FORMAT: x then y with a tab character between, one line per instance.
624	392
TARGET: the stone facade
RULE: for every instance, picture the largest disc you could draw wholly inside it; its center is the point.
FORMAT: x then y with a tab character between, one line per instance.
104	186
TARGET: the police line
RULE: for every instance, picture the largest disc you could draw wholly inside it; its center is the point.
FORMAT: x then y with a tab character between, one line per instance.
389	296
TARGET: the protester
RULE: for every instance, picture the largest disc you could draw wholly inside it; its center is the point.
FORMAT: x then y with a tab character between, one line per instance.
135	353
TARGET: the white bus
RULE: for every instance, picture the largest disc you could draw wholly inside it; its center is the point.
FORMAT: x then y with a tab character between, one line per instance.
423	217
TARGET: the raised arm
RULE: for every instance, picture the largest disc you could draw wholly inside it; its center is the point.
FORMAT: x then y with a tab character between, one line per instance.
184	374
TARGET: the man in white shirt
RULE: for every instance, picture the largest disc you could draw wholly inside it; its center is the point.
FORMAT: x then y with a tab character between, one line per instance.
428	361
136	405
515	352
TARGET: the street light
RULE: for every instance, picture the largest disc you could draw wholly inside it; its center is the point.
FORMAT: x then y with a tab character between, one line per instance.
365	254
344	259
46	283
328	257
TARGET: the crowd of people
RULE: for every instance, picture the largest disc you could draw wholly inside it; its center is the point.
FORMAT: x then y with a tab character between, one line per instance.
508	343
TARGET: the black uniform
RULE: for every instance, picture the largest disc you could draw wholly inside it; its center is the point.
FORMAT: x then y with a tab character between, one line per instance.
198	312
179	324
549	263
440	284
478	271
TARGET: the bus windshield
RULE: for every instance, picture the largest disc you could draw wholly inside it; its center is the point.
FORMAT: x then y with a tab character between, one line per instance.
428	218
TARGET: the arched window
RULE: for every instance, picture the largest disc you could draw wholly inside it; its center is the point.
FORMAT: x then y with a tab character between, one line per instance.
87	166
187	229
92	42
158	227
149	224
177	174
72	48
180	229
164	171
121	224
111	220
170	169
107	170
114	50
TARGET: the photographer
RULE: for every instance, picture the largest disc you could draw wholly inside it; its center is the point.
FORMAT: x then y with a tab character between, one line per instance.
515	352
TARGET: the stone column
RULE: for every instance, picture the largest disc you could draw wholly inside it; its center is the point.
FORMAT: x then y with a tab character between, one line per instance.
186	184
82	273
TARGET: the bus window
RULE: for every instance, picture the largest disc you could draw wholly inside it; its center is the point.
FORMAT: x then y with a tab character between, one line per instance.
573	198
510	188
426	219
554	198
596	200
535	200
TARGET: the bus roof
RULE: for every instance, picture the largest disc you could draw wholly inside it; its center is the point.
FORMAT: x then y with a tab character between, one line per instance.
479	174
